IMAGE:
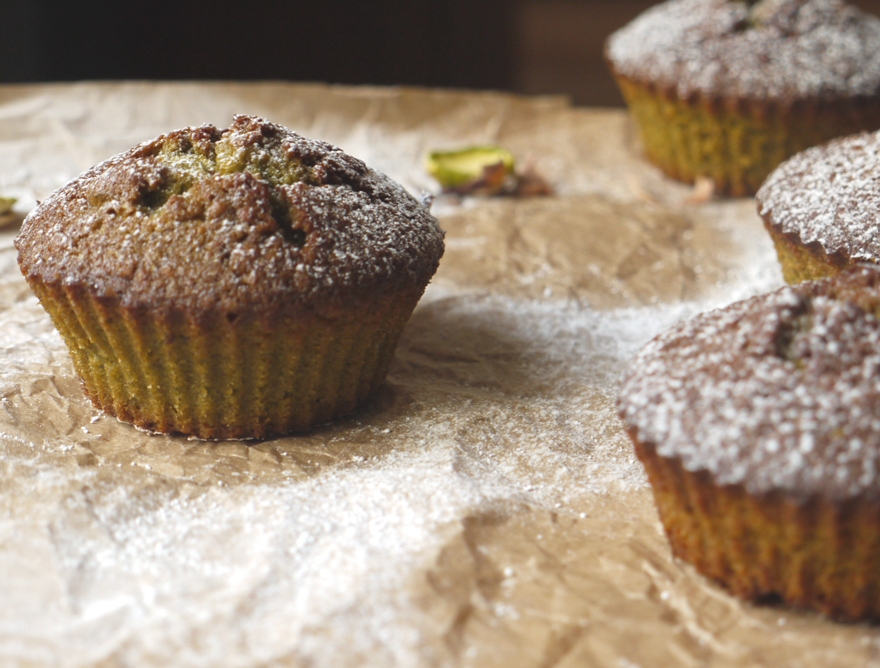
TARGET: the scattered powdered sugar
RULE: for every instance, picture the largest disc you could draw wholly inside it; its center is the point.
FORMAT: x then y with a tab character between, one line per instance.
205	577
773	49
829	195
779	392
124	548
154	550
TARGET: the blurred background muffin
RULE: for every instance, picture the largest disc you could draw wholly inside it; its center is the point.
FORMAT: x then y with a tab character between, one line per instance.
728	90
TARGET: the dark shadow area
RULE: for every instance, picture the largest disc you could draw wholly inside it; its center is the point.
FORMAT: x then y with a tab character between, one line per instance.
448	43
537	47
525	46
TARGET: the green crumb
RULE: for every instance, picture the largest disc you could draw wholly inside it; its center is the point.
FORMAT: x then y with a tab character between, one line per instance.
454	169
189	164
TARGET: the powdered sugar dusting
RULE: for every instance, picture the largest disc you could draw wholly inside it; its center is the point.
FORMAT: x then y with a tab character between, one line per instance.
779	392
253	216
829	195
773	49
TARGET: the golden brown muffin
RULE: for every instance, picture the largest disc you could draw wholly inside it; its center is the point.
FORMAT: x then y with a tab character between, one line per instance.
230	284
728	90
821	208
758	427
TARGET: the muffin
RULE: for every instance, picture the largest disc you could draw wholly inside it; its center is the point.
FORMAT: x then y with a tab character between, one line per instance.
821	208
235	283
758	427
728	90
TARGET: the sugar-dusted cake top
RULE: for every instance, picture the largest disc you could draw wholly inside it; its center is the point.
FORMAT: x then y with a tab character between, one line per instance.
250	218
773	49
829	196
777	393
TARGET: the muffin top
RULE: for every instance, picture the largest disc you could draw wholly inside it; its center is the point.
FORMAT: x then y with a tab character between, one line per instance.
769	50
777	393
249	219
828	196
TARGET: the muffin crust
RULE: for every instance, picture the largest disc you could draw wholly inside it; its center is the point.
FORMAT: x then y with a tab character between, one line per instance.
770	50
779	393
757	426
825	201
230	284
246	220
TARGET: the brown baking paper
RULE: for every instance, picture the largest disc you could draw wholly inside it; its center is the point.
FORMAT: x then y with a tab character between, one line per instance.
484	510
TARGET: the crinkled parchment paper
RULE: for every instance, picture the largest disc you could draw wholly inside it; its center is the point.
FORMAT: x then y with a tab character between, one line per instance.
485	510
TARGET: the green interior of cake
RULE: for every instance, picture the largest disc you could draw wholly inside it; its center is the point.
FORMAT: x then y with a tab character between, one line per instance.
801	323
272	164
189	162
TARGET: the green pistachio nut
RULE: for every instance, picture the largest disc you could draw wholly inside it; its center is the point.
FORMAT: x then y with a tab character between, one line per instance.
454	169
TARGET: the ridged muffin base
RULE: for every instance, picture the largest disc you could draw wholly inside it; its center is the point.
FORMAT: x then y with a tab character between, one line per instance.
800	263
224	376
816	553
737	142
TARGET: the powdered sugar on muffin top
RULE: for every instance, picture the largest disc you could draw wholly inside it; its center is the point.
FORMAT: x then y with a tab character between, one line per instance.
253	218
829	195
773	49
777	393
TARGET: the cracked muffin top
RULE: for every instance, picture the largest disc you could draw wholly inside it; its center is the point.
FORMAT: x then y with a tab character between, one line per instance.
249	219
780	392
772	49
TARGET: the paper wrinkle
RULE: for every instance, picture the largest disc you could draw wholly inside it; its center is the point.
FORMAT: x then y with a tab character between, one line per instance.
585	247
485	509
